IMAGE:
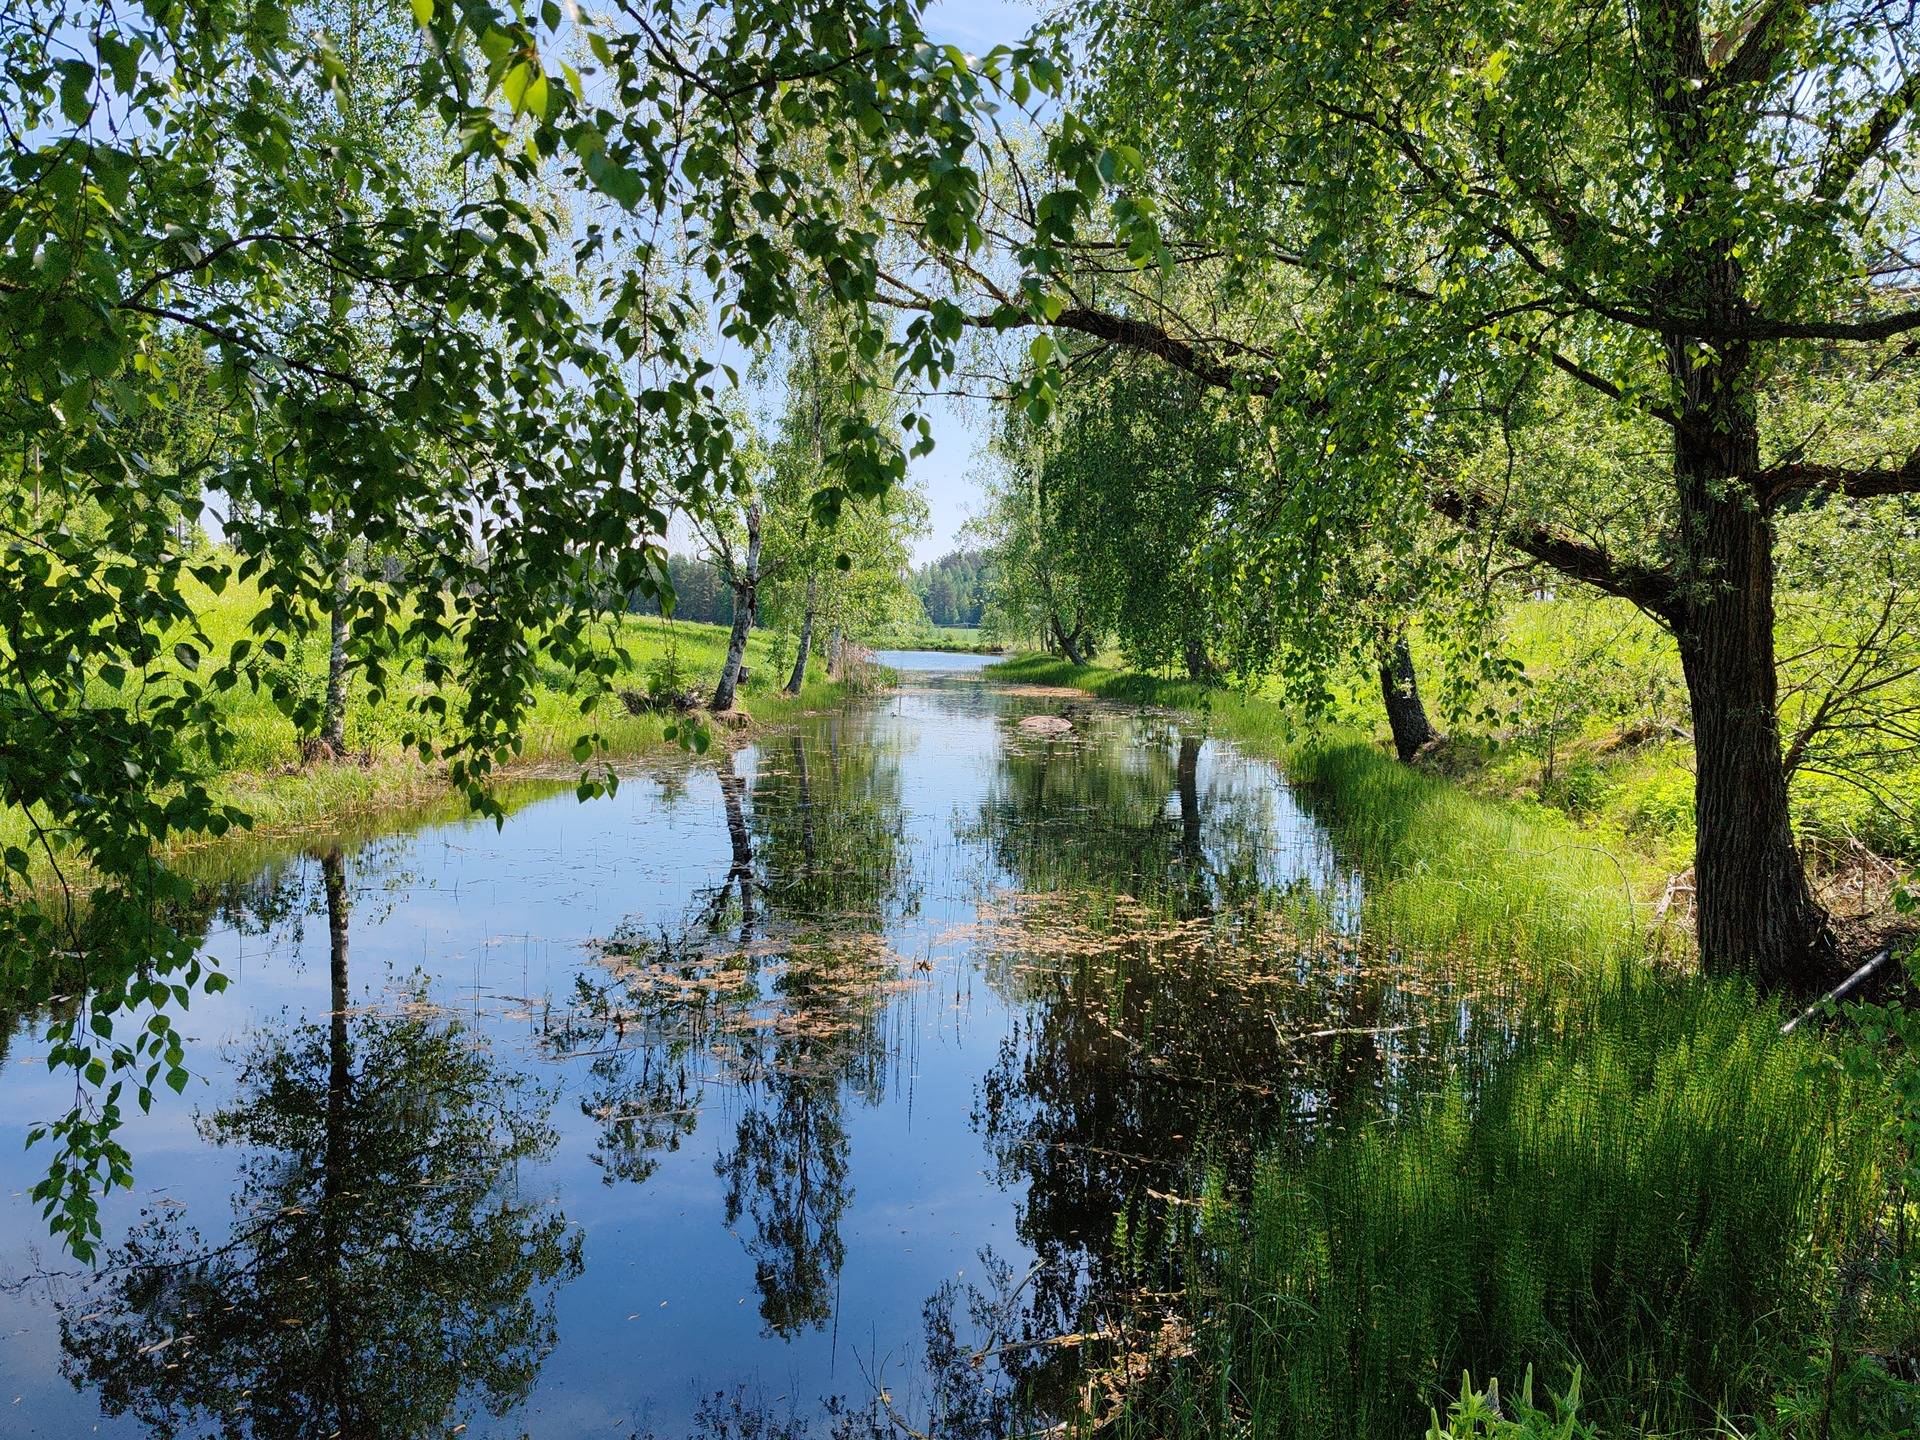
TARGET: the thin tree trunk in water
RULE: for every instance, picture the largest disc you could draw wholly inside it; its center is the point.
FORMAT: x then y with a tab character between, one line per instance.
745	596
798	750
836	660
333	715
1187	774
1193	855
1400	692
806	639
732	791
334	1159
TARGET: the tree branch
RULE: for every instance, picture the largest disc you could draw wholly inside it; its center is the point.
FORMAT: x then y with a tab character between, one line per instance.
1840	168
1652	590
1858	483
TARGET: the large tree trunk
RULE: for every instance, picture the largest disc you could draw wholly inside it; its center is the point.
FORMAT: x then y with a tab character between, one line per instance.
1757	914
1400	692
333	714
746	586
806	639
1200	666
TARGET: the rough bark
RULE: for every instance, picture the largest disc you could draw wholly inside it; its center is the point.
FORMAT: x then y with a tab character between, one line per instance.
333	713
1757	914
746	587
799	677
1400	693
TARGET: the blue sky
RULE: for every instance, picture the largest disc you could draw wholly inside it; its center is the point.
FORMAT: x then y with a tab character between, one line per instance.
960	426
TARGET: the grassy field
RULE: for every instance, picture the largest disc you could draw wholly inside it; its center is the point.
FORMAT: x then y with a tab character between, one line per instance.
265	777
961	639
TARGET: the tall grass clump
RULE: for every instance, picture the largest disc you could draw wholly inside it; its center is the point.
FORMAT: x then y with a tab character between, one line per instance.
1452	872
1652	1193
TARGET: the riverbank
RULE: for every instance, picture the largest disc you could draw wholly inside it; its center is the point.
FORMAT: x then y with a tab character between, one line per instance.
1639	1199
951	639
1484	874
282	791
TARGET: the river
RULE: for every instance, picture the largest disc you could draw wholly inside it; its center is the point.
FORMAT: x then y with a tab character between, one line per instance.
774	1084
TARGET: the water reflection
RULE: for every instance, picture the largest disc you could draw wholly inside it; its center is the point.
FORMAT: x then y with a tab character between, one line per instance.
880	1057
384	1273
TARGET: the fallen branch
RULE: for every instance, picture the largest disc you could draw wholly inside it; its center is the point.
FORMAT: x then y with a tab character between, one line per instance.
1840	992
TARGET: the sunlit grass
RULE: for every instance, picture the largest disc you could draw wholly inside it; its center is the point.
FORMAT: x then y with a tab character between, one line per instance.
1446	870
1629	1172
263	773
1657	1190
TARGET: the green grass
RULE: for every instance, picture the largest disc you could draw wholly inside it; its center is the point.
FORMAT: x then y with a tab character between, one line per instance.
1448	871
1656	1191
1598	729
959	639
1631	1175
263	773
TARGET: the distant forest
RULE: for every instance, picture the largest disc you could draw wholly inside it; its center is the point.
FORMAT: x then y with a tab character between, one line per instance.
953	589
700	593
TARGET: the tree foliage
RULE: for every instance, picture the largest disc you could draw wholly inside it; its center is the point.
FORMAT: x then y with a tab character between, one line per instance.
542	394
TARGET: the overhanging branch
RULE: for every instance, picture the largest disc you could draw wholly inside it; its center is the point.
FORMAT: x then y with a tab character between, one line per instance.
1652	590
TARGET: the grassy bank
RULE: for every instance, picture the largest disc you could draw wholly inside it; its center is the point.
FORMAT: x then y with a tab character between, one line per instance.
1595	725
265	776
1638	1187
956	639
1656	1201
1450	870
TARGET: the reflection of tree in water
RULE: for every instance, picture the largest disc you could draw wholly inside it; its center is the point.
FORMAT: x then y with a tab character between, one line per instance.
829	837
1118	808
777	977
384	1272
1175	1008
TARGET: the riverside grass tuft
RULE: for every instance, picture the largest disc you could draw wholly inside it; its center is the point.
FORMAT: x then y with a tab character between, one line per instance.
1635	1191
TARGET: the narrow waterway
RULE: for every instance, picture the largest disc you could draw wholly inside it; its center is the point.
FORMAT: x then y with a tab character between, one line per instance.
840	1081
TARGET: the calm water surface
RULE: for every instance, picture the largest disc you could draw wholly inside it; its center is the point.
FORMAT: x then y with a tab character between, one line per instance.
761	1088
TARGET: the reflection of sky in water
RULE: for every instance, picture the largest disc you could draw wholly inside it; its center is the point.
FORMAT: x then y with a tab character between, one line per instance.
500	922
